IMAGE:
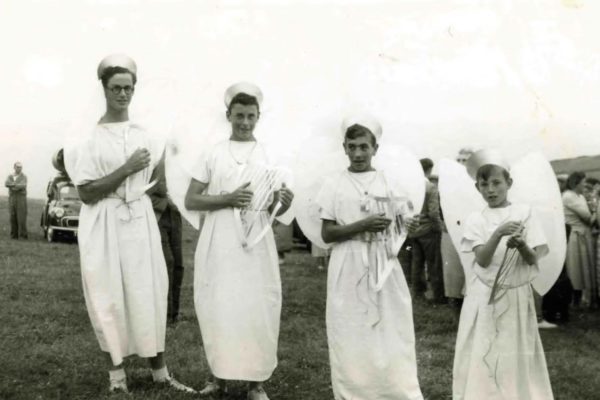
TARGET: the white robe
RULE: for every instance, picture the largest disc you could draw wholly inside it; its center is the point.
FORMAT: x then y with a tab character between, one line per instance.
237	292
123	270
370	334
499	354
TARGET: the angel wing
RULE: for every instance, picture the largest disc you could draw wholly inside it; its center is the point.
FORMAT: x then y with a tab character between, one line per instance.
178	181
458	199
534	183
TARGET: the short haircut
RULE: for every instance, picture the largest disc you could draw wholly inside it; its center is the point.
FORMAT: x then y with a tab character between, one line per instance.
574	179
109	72
356	131
426	164
485	171
245	100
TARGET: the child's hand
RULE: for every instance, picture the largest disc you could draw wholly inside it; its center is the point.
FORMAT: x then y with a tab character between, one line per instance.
509	228
515	242
285	196
376	223
241	197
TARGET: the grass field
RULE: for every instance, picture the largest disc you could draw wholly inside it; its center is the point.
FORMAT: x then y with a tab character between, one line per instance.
48	349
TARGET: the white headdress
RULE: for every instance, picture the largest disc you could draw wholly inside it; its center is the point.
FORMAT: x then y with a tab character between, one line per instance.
243	87
116	60
485	157
364	120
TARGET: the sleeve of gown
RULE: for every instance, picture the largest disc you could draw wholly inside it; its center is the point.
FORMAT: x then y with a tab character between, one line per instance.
534	234
473	235
80	162
202	169
326	200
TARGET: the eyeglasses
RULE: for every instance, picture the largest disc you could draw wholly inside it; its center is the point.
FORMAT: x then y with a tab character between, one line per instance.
117	89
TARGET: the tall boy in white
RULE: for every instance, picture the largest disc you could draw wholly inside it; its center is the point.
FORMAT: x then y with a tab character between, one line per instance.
237	288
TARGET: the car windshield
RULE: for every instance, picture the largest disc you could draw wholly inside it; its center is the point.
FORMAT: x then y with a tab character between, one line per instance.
68	193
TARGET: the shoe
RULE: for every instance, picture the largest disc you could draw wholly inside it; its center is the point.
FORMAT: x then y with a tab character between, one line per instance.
212	388
173	383
543	324
257	393
118	386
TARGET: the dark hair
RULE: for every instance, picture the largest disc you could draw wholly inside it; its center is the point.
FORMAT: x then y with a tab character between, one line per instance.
109	72
426	164
591	180
485	171
574	179
245	100
356	131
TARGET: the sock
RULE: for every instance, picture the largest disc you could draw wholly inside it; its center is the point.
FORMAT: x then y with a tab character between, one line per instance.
160	375
117	375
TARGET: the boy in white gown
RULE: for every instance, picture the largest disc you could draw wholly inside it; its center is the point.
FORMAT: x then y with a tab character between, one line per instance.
370	333
499	354
237	289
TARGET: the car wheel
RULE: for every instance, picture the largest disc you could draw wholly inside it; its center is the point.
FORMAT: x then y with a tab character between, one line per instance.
50	235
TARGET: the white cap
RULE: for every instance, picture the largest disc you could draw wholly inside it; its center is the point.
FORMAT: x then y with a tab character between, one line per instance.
117	60
243	87
364	120
485	157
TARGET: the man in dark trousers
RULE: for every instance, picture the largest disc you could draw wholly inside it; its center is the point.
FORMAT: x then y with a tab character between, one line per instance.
424	231
169	225
17	202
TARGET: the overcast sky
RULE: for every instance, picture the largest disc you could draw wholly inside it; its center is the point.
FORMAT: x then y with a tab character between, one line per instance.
517	75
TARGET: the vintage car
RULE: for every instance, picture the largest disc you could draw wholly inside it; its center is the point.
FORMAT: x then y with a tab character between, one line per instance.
60	216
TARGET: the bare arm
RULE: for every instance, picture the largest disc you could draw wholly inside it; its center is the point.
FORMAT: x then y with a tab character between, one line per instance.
485	252
331	231
94	191
196	200
529	255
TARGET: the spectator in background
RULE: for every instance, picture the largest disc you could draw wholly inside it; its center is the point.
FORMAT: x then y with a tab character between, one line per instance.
590	194
424	230
463	155
580	262
169	226
17	202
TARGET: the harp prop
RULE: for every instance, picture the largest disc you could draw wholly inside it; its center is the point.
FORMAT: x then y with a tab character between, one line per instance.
384	246
264	181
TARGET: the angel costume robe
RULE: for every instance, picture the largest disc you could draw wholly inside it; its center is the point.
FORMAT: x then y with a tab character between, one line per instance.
370	334
125	281
237	291
499	354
